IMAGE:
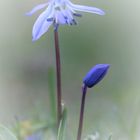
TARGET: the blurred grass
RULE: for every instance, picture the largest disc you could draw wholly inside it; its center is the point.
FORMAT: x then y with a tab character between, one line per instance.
114	38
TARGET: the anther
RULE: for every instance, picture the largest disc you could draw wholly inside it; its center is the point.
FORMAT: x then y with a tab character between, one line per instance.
77	14
74	22
56	27
50	19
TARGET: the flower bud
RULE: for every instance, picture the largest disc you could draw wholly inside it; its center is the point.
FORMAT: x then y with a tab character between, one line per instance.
95	75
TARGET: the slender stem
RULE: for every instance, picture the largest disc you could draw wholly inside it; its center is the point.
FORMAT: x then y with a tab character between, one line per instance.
84	90
58	73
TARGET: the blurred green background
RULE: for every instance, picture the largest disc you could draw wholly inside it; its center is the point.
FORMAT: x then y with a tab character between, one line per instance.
113	105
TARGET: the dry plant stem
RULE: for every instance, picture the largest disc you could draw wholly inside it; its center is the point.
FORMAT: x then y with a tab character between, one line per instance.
84	90
58	73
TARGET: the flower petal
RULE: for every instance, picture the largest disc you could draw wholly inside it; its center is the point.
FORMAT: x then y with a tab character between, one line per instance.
44	28
35	9
87	9
41	25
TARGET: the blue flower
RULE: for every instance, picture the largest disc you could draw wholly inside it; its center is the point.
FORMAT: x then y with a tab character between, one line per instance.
58	12
95	75
35	136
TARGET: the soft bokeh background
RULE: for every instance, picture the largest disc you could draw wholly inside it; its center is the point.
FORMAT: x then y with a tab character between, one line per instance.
113	105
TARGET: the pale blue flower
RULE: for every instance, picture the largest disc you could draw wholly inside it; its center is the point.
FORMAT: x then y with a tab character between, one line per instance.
58	12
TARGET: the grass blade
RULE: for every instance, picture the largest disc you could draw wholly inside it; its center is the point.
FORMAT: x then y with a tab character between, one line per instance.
61	130
52	96
6	134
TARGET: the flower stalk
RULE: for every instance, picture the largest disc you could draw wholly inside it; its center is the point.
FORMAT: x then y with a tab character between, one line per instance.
93	77
84	90
58	75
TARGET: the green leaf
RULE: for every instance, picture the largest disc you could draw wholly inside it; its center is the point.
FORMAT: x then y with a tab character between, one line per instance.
6	134
62	125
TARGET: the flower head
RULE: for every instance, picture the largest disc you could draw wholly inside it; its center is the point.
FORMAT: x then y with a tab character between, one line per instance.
95	75
58	12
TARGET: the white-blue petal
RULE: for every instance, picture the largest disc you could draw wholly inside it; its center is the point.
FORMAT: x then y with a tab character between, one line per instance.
35	9
40	24
44	28
87	9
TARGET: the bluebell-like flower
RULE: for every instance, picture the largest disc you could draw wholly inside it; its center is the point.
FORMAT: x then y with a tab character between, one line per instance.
95	75
58	12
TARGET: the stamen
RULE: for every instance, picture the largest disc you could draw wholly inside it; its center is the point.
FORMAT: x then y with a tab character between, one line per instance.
74	22
77	14
50	19
66	19
56	26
